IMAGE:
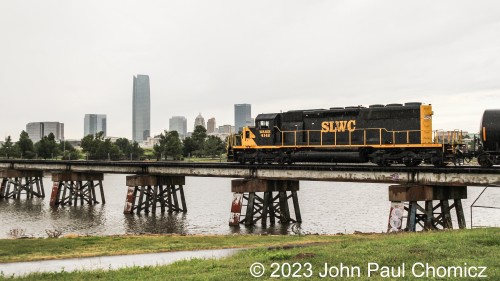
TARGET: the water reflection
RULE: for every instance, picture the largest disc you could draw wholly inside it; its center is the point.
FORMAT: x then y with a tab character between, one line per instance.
165	223
86	219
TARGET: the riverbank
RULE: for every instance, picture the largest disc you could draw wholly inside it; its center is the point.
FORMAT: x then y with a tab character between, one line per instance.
467	250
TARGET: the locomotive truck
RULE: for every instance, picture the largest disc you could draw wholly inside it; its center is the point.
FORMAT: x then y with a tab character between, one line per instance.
381	134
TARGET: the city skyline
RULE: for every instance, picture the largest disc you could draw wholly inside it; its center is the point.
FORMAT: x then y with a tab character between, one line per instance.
59	64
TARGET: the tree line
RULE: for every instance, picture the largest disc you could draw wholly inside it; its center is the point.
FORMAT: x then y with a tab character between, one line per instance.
97	147
199	144
46	148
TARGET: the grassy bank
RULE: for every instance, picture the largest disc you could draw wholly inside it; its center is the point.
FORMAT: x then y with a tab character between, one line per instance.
466	249
15	250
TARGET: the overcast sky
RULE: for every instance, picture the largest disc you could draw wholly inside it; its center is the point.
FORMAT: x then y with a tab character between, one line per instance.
62	59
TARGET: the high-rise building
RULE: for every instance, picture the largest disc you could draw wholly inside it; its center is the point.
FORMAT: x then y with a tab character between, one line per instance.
199	121
179	124
226	129
37	130
141	109
211	125
242	115
94	123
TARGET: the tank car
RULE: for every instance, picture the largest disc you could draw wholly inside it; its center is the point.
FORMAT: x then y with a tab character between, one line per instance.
489	151
382	134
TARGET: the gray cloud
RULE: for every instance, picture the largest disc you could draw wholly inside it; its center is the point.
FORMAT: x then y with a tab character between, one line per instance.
62	59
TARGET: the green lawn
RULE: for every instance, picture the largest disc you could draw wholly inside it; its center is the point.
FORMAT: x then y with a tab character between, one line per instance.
467	249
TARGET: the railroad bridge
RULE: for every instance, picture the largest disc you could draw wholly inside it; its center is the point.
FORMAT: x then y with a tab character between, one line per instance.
423	195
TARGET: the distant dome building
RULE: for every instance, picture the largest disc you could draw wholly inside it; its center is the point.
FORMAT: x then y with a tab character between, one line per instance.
199	121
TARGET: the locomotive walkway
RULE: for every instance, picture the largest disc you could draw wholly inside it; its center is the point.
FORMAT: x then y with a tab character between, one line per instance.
259	191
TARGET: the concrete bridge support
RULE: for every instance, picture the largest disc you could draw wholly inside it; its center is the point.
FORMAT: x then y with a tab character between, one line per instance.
149	192
69	188
18	182
427	205
263	199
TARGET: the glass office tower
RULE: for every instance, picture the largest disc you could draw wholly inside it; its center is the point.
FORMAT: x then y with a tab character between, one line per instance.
37	130
242	116
94	123
179	124
141	109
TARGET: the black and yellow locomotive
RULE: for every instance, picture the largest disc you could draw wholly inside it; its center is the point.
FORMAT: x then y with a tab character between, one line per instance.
381	134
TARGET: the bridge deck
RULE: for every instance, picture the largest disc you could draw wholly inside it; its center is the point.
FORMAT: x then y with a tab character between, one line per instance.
461	175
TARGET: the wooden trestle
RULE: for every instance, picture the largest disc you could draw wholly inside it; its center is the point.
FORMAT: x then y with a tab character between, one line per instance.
425	205
149	192
18	182
70	188
263	199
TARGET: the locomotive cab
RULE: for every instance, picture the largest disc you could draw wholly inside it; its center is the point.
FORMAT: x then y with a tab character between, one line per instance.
266	129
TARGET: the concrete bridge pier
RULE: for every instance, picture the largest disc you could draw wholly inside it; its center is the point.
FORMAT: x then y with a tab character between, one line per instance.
262	199
18	182
425	205
149	192
69	188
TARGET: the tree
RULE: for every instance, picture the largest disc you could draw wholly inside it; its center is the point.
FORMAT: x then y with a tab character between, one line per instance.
98	148
213	146
47	147
199	136
68	151
8	149
25	146
129	149
124	145
189	145
107	150
170	145
136	151
90	143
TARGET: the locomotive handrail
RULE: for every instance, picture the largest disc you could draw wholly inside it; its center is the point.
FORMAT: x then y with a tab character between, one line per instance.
350	135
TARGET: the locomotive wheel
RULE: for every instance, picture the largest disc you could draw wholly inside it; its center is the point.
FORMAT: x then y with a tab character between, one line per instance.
383	163
241	159
484	160
439	163
412	162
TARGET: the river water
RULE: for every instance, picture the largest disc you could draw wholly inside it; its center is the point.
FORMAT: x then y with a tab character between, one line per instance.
326	207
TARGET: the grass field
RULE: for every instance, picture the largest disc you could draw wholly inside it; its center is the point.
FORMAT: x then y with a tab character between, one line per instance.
444	252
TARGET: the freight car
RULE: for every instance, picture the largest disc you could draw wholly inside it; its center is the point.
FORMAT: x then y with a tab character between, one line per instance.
381	134
489	151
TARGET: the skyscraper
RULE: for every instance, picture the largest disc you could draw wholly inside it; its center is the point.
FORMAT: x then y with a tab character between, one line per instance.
37	130
94	123
141	109
242	115
179	124
211	125
199	121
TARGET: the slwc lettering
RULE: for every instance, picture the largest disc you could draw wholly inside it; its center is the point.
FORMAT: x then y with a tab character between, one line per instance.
338	126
